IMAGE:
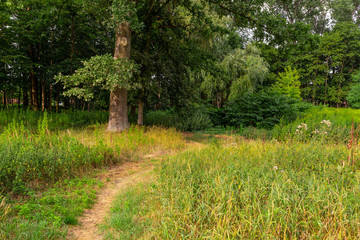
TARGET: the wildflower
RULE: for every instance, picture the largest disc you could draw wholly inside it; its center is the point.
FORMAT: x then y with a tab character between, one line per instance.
275	168
303	126
326	122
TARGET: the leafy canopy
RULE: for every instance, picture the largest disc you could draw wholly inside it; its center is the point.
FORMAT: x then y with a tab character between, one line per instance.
102	72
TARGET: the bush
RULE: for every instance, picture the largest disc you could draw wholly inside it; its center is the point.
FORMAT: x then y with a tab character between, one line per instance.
159	118
354	96
262	110
193	118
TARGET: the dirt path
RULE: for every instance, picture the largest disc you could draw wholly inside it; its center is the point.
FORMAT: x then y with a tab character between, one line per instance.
120	178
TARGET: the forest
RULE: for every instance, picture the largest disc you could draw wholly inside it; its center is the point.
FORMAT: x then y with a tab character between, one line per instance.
179	119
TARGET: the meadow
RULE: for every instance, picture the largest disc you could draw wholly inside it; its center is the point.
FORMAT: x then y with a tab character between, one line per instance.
48	177
295	182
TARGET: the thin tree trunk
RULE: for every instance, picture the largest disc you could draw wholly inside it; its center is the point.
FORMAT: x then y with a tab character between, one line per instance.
57	100
5	99
50	96
140	120
34	94
25	98
118	115
42	95
19	99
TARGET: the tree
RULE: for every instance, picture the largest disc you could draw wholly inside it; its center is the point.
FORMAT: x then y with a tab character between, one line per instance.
288	83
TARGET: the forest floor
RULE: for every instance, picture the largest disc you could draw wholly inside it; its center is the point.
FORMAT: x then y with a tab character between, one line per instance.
116	181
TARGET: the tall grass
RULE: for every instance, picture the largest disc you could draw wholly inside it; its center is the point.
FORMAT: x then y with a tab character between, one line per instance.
342	120
56	121
255	190
39	170
41	157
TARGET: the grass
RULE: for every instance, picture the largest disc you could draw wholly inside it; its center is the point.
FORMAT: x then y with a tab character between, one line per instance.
283	184
56	121
252	190
48	177
45	214
342	120
126	219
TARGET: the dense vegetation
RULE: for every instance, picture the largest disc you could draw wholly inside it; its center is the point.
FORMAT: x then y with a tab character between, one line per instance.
279	81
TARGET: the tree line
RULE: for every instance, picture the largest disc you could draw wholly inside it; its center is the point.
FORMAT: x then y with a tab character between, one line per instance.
62	53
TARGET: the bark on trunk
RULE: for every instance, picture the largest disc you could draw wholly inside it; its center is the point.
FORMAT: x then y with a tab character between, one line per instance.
140	120
118	116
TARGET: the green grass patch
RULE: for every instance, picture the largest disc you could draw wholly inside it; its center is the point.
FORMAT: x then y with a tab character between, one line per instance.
44	215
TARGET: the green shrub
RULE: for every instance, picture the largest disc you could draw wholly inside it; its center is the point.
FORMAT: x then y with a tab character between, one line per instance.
354	96
192	118
163	118
262	110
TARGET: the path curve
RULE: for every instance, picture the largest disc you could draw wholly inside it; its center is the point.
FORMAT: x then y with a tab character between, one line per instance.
120	177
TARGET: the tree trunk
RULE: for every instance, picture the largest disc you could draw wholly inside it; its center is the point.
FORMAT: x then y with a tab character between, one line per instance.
140	120
57	99
50	96
25	98
118	116
34	95
42	95
19	98
5	99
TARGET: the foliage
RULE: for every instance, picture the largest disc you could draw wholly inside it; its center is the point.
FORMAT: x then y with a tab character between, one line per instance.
247	70
192	118
102	72
262	110
288	83
353	95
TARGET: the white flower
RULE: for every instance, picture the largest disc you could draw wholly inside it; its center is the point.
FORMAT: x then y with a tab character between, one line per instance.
275	168
326	122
